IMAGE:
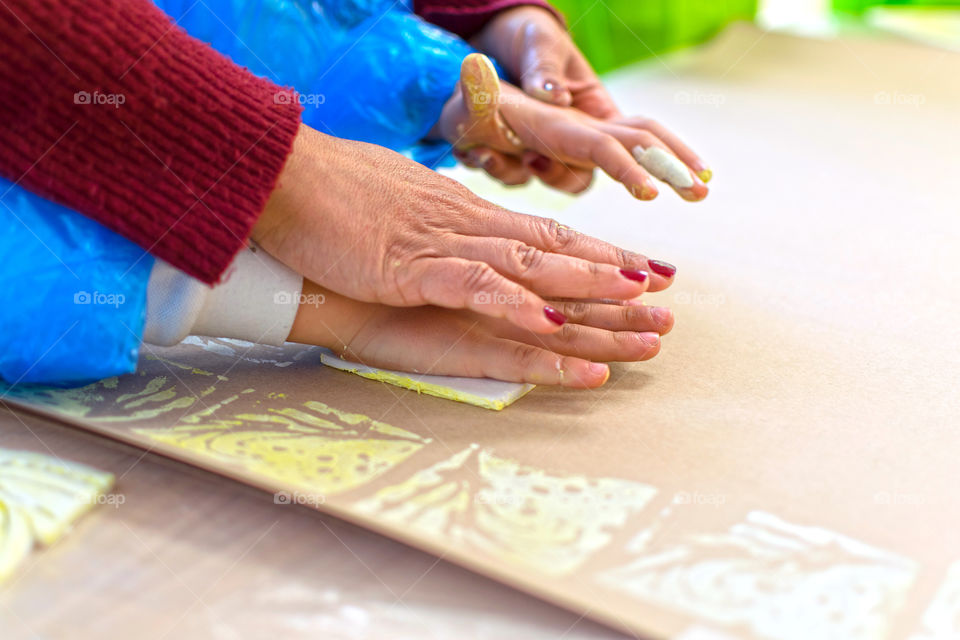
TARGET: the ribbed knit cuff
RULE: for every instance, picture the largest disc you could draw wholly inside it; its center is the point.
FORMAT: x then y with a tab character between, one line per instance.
466	17
109	108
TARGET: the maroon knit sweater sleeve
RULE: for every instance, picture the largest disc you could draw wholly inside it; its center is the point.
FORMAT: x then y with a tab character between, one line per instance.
110	109
466	17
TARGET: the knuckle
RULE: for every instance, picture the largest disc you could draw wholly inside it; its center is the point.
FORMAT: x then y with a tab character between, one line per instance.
524	355
479	276
628	258
525	257
570	334
631	315
556	236
576	312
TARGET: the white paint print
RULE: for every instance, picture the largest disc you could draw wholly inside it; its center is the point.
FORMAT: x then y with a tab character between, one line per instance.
782	581
663	165
513	512
40	496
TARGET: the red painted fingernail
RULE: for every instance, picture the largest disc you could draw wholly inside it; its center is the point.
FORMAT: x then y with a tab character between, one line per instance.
665	269
554	316
541	164
634	274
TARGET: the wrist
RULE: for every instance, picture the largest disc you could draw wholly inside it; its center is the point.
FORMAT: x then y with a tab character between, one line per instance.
274	225
326	319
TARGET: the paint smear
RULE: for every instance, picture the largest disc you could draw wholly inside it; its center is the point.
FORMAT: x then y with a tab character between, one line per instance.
40	497
514	513
313	447
781	580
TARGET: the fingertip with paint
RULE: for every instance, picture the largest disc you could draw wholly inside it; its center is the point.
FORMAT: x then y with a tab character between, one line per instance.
664	166
705	175
644	191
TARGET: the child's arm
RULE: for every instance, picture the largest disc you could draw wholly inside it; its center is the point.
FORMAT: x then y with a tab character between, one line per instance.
498	116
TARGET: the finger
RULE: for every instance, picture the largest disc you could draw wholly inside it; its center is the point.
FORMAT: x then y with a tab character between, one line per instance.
554	274
557	174
507	169
659	160
481	91
456	283
542	66
504	359
590	343
474	158
614	317
589	93
675	144
551	236
613	158
439	342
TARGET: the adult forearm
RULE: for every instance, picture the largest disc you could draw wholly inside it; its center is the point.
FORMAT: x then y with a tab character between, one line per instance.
110	109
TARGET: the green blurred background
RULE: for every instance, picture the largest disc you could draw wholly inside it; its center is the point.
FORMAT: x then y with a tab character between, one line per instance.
616	32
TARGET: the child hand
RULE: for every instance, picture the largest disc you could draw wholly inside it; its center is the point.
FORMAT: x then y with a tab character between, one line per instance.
488	114
437	341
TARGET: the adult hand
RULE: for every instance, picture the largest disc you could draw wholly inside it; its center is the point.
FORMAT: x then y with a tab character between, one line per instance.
536	49
374	226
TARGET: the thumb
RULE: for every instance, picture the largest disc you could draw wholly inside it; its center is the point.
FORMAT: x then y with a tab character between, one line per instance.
542	70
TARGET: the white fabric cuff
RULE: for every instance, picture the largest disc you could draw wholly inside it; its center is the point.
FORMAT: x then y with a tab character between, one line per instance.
256	301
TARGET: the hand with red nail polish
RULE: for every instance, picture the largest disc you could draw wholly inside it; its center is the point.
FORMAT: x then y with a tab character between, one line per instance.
463	343
423	239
